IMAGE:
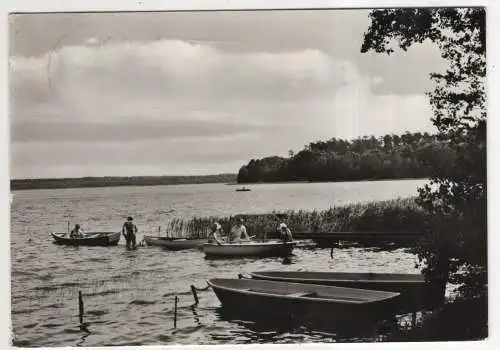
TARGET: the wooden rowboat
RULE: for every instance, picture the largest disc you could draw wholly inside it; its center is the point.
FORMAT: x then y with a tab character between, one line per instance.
380	281
307	302
174	243
90	239
413	287
248	249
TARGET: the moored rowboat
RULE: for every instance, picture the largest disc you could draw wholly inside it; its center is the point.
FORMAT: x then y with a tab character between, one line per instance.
90	239
248	249
174	243
413	287
305	301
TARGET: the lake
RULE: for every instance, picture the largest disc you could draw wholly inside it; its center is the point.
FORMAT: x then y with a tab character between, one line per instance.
129	295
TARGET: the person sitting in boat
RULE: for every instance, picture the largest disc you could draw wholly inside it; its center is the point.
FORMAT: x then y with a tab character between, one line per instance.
76	232
215	237
129	230
286	234
239	233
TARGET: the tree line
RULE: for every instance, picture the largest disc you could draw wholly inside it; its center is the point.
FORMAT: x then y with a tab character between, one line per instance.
113	181
411	155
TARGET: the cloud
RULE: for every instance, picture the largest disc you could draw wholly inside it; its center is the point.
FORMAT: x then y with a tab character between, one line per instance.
165	73
222	107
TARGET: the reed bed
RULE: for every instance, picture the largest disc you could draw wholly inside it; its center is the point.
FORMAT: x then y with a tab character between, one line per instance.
392	215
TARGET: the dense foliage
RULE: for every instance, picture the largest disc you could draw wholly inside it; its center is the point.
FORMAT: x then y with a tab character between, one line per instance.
26	184
448	323
454	248
410	155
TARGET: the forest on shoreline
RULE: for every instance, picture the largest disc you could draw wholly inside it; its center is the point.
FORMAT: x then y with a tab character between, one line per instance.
407	156
411	155
112	181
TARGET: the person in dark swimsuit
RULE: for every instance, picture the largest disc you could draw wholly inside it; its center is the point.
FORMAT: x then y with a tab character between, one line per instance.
129	230
76	232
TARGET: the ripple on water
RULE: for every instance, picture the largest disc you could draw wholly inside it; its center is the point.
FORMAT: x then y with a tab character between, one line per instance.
31	325
142	302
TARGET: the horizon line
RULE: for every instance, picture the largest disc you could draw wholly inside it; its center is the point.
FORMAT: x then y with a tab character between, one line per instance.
116	177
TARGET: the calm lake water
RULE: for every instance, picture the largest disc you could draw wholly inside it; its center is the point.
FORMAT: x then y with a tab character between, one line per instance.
129	295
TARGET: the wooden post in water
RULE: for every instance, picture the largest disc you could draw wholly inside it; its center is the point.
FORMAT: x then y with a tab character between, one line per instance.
413	319
80	306
175	312
195	295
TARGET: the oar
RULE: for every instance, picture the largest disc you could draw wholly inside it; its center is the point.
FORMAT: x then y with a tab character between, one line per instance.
69	228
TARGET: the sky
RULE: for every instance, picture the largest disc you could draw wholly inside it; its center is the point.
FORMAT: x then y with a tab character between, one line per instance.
187	93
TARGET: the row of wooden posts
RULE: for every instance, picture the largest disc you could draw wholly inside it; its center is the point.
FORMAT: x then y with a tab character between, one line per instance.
194	291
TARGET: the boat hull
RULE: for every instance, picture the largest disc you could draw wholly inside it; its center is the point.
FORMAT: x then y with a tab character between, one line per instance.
174	244
93	239
252	249
301	303
415	292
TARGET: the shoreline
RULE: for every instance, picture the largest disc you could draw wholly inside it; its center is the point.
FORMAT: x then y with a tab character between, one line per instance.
246	184
117	181
100	182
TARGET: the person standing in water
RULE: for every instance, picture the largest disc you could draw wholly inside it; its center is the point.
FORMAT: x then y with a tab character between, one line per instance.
129	230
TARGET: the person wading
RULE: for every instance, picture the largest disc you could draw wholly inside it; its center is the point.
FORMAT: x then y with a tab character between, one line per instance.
129	230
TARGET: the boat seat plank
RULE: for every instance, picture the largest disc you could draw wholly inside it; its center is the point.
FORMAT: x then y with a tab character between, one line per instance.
284	293
301	294
268	291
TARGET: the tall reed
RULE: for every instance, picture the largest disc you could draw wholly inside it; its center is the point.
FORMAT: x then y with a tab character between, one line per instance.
391	215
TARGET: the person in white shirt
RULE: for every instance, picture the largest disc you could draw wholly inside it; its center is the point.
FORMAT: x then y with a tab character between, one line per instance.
239	233
286	234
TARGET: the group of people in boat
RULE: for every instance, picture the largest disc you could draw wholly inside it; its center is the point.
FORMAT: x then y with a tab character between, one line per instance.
238	233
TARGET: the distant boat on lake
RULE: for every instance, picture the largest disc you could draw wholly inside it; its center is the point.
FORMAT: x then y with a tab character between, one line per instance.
243	189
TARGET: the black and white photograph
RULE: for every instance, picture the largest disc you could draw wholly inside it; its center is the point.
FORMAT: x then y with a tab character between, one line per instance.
248	176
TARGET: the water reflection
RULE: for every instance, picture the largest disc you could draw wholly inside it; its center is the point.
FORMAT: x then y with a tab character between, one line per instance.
84	328
264	327
196	317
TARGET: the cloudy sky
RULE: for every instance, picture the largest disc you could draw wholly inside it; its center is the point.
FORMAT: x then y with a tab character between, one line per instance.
200	92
